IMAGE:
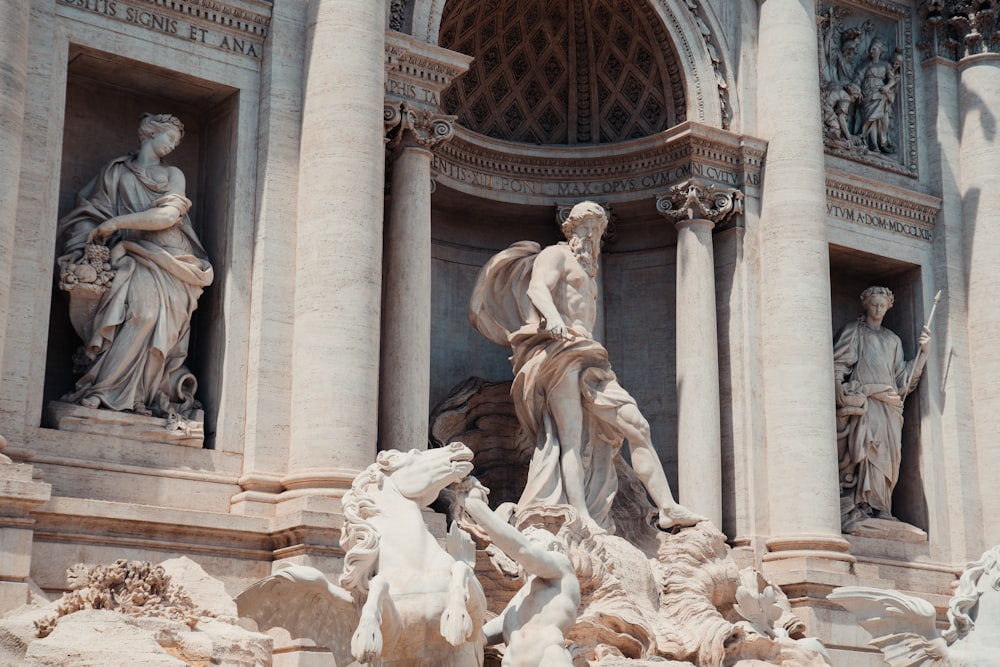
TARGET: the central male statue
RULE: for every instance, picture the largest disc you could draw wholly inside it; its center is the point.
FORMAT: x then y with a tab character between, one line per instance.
543	304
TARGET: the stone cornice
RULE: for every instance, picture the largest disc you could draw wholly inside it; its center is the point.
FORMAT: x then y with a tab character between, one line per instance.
626	171
862	201
250	16
417	72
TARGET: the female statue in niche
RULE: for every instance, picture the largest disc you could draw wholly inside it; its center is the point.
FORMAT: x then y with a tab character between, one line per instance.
134	270
871	381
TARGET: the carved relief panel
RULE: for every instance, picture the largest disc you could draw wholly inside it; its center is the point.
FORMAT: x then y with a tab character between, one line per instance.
867	83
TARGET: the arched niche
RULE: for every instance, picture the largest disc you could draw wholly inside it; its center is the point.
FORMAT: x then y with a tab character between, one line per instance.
685	29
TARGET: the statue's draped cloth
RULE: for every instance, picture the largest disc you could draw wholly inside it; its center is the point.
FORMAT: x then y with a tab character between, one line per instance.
139	330
499	310
871	442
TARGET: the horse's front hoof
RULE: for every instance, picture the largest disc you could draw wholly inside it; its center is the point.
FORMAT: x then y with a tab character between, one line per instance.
366	644
456	625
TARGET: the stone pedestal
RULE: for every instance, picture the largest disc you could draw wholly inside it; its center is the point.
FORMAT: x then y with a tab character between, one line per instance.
795	322
19	494
696	208
406	324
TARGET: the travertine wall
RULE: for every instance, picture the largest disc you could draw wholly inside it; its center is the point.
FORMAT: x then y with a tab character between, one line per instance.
285	162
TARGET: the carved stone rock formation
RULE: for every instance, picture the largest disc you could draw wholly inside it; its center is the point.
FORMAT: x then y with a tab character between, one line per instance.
142	614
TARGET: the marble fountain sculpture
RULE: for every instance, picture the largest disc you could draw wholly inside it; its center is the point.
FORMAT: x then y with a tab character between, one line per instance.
569	564
134	269
904	627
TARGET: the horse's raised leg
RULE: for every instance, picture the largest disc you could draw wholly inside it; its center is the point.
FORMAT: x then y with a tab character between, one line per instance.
366	644
456	622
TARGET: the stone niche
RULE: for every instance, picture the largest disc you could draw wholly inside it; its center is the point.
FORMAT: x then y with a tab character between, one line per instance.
851	271
636	310
105	96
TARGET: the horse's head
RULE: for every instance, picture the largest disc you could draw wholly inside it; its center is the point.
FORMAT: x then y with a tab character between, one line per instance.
420	475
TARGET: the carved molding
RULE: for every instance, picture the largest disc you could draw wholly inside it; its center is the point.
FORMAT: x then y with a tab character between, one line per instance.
251	16
417	72
956	29
880	206
694	199
425	128
879	136
392	116
632	171
712	47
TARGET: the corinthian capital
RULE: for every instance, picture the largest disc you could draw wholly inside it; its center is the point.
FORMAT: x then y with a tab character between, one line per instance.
425	128
958	28
695	200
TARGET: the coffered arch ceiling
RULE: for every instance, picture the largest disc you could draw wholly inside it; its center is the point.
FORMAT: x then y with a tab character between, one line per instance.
562	71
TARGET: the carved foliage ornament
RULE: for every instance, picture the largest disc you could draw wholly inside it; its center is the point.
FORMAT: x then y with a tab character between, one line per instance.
955	29
695	200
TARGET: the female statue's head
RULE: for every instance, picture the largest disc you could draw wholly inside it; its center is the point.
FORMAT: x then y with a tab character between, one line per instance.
876	49
154	125
874	291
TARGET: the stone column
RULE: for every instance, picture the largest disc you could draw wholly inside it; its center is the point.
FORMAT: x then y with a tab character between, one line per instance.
338	274
795	306
695	209
13	82
979	157
406	325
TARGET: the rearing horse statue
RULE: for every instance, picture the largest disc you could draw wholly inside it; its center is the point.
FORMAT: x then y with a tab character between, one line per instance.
402	600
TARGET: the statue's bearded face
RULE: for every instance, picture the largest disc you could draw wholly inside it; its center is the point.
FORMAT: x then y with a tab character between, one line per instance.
585	242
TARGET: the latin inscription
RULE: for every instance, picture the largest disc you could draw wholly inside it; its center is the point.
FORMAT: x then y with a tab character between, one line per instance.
860	217
411	91
157	22
625	184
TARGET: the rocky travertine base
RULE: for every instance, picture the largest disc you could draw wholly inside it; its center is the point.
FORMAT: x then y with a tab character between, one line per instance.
138	623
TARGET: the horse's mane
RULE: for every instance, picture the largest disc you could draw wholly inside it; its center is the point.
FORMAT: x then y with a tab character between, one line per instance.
966	597
359	539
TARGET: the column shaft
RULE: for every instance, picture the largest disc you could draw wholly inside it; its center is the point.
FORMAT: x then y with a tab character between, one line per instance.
13	82
406	325
338	285
795	320
699	437
980	187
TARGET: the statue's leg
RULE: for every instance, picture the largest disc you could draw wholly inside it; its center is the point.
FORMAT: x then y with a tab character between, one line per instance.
366	644
648	469
566	405
456	622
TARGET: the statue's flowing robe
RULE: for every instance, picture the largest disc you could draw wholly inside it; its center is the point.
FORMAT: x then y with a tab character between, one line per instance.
871	362
138	333
501	310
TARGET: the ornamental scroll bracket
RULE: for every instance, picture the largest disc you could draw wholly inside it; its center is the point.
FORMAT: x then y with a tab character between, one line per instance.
406	125
696	200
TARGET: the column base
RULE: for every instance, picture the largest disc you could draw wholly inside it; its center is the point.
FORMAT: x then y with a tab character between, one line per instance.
19	495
